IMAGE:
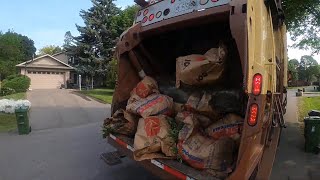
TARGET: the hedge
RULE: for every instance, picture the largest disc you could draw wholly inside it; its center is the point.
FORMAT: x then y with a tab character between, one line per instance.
18	83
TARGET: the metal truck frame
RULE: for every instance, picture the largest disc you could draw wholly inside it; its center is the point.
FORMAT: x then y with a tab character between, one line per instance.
258	28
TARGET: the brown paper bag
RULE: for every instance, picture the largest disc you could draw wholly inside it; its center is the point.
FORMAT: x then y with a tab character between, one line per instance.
201	152
145	87
198	119
201	105
152	139
230	126
121	122
201	69
178	107
154	104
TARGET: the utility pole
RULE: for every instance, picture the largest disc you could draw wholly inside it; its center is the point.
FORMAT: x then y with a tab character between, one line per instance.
80	82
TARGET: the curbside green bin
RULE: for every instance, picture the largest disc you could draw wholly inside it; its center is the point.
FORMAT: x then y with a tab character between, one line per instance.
312	134
23	120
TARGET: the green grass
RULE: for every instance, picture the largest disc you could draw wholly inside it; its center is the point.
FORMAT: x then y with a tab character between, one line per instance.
104	95
16	96
307	104
7	122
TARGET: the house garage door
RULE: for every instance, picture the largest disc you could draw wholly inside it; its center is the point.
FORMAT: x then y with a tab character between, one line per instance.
46	80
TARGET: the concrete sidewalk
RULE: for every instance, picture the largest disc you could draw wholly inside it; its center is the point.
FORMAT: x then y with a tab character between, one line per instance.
291	160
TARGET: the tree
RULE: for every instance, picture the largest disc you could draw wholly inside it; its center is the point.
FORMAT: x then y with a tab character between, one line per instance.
307	61
303	22
124	20
293	68
93	49
14	49
308	68
51	50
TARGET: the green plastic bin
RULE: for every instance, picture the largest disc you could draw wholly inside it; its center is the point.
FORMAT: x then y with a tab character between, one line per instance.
23	120
312	134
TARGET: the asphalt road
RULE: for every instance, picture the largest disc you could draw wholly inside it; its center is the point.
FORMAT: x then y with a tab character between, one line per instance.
65	143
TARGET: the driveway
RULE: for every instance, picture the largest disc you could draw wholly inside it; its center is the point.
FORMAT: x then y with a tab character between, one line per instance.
63	109
65	143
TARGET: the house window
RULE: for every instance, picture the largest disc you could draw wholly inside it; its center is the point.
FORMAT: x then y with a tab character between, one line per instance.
33	72
43	72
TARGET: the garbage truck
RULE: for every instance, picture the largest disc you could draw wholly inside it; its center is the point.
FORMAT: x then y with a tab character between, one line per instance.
254	34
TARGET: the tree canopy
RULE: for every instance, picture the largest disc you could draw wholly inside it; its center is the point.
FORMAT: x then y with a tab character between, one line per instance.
14	48
305	70
51	50
92	51
303	22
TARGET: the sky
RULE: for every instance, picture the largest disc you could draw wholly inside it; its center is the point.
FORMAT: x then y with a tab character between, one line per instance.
47	21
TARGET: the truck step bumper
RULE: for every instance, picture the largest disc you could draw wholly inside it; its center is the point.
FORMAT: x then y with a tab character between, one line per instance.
112	158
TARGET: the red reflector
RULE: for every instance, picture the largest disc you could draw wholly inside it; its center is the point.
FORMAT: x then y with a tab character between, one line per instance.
145	19
172	1
214	0
253	115
151	17
257	84
145	12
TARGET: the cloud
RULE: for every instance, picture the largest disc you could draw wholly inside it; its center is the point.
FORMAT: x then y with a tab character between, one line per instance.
295	53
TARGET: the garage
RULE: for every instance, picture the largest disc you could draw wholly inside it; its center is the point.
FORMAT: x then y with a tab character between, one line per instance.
46	72
46	80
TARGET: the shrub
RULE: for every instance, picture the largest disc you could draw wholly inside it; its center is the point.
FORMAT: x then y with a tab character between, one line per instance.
6	91
19	83
112	74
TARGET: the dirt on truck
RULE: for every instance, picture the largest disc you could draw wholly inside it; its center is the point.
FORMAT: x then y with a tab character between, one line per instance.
201	89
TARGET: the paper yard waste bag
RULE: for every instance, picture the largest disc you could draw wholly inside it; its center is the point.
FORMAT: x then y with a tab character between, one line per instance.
201	104
198	119
201	69
229	126
155	104
202	152
146	87
152	139
121	122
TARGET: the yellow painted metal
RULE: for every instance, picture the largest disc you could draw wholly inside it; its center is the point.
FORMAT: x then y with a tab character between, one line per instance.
264	45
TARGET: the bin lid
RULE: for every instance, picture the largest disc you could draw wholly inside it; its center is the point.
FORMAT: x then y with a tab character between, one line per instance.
312	118
22	109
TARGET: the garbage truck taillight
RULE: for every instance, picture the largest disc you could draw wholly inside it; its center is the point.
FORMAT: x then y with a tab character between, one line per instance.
257	84
253	114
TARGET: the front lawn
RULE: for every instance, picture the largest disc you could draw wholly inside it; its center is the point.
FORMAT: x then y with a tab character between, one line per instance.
17	96
7	122
307	104
104	95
